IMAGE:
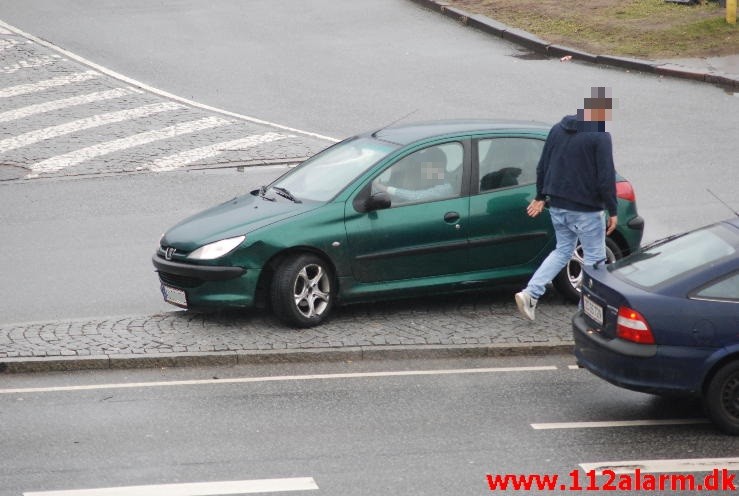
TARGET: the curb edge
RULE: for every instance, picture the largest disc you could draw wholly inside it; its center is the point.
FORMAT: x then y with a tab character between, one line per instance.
530	41
233	358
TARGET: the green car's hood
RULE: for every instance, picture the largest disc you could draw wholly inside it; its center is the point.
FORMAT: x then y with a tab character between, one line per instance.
235	217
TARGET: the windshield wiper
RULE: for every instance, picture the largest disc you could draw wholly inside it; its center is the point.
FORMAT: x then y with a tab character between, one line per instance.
286	194
661	241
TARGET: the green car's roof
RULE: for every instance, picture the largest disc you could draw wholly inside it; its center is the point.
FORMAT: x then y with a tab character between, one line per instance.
409	133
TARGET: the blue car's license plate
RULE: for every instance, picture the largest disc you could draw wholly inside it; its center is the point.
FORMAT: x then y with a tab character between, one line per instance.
592	310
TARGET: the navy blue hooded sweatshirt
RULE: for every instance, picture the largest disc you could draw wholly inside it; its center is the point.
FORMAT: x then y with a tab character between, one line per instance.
576	169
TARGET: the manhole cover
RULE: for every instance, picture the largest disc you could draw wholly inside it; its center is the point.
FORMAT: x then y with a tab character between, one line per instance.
10	172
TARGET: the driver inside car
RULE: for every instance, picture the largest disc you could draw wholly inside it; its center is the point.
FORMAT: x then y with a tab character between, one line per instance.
419	177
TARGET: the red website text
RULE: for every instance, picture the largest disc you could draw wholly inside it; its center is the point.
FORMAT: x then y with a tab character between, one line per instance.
609	480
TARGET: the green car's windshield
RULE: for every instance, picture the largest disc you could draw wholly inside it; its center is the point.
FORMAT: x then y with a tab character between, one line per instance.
323	176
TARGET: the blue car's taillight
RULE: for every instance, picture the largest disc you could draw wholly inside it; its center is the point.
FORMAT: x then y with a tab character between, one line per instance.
632	326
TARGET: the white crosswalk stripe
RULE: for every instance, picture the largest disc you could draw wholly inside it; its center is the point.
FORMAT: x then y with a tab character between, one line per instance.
7	44
102	133
24	89
78	156
98	120
40	108
189	156
30	64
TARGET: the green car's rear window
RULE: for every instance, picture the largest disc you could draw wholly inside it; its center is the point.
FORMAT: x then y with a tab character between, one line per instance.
661	262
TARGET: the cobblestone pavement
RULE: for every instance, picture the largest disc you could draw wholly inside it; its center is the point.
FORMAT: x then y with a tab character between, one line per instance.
471	324
59	117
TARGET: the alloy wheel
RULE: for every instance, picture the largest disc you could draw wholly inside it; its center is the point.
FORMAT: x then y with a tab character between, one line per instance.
574	266
312	291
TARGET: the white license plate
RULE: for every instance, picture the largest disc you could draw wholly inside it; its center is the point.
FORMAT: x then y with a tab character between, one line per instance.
174	296
592	310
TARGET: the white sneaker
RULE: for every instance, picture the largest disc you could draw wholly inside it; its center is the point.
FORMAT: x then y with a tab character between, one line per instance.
526	304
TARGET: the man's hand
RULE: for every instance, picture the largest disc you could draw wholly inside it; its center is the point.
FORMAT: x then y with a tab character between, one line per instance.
612	221
535	207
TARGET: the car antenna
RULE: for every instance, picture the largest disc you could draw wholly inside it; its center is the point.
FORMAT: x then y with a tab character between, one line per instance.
374	135
725	204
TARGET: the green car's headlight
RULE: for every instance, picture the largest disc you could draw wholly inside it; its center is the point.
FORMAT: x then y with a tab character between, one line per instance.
215	250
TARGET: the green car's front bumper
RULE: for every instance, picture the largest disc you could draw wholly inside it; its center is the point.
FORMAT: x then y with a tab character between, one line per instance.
206	285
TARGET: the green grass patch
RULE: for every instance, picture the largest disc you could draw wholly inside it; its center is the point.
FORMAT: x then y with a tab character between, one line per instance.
636	28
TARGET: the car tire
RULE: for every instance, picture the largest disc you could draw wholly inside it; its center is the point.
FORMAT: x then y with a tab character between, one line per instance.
302	291
721	399
569	279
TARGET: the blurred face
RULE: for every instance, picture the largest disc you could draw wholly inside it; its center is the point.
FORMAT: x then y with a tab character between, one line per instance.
598	114
431	171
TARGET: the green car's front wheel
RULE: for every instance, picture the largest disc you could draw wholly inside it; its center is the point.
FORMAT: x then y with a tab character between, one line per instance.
302	291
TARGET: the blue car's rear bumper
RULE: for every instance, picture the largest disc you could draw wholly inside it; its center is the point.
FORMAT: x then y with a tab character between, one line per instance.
664	370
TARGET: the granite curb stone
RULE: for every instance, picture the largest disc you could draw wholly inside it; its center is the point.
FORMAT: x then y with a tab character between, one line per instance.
532	42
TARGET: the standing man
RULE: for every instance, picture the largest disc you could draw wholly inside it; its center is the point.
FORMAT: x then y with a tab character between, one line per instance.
576	177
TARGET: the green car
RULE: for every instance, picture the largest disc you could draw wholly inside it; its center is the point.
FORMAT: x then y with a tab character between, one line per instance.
402	211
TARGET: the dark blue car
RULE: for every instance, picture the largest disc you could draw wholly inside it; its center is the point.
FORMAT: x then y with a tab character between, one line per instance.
665	320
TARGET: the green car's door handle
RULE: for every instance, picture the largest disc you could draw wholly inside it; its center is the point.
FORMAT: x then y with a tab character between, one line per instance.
451	217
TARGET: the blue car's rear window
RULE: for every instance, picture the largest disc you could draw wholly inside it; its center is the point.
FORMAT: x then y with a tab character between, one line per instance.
661	262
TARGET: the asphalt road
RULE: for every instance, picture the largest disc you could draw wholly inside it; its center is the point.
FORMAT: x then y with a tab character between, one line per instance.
415	434
336	69
82	247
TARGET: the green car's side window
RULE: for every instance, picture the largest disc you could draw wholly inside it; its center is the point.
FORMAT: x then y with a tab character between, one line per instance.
431	174
506	162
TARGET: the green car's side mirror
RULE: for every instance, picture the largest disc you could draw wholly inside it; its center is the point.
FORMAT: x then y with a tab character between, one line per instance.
378	201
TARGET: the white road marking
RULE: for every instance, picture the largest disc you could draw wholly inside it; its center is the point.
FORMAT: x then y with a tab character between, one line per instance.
94	121
279	378
9	43
41	108
24	89
30	63
655	466
78	156
188	156
151	89
195	489
4	31
573	367
616	423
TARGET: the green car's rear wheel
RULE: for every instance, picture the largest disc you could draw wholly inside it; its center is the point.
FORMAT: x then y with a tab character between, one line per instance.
302	292
568	281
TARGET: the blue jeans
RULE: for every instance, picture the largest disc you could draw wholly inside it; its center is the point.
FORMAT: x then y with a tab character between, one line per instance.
569	226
